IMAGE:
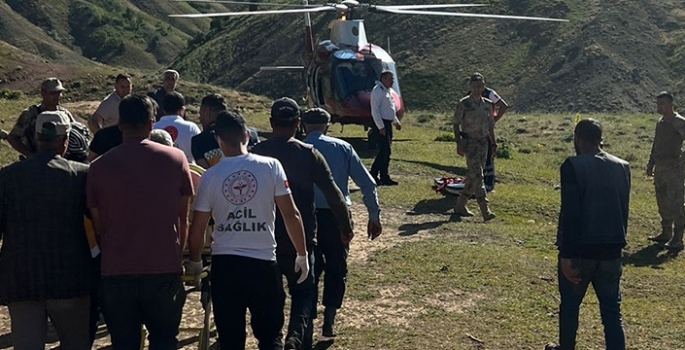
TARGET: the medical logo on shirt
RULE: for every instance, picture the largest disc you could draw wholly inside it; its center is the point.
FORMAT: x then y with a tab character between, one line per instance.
172	131
240	187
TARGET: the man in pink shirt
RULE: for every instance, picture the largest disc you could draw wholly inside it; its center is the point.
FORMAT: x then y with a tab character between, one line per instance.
138	194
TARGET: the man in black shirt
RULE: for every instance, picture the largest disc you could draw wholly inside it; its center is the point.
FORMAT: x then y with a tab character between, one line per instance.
593	222
104	140
304	167
203	146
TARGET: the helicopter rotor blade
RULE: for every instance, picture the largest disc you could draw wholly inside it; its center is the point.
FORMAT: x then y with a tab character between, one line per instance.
255	13
432	6
461	14
248	3
282	68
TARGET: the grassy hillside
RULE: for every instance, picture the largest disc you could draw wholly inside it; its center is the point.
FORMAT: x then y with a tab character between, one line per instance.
126	33
611	56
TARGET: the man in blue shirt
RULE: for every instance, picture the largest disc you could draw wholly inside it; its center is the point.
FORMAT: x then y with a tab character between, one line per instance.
331	252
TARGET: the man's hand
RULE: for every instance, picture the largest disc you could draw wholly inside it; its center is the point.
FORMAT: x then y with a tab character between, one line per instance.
460	149
193	268
302	265
374	229
494	150
398	126
650	170
571	273
347	237
381	132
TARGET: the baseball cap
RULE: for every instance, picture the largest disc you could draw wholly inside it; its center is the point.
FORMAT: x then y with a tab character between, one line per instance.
285	109
51	85
53	124
316	116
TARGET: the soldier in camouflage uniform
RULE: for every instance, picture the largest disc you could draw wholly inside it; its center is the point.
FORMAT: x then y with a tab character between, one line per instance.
667	165
474	128
22	137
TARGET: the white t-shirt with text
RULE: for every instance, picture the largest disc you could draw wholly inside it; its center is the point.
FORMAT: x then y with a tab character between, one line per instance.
239	192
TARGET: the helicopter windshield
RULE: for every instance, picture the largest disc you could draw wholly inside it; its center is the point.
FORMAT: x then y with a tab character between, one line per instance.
353	76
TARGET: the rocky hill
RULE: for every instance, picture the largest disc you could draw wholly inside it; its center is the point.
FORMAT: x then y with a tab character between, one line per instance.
613	56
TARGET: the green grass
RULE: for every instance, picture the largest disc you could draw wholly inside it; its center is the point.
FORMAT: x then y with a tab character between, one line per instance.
442	279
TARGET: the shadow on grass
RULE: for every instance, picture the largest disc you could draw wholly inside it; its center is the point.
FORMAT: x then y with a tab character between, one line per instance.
447	169
412	229
653	256
443	205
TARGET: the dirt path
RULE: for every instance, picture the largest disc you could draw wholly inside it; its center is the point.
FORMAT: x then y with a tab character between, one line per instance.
360	250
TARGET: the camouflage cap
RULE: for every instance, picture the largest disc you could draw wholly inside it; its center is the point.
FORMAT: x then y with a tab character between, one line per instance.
476	77
52	85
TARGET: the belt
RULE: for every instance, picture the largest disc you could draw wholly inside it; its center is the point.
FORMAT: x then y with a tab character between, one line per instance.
467	137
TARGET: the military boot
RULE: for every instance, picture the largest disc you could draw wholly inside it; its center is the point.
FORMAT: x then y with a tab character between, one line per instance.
485	209
460	208
665	236
676	243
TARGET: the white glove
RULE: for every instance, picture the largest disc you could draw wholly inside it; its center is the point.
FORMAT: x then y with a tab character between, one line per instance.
193	268
302	265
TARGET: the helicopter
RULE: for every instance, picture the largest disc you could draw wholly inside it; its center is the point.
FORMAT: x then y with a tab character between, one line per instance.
341	72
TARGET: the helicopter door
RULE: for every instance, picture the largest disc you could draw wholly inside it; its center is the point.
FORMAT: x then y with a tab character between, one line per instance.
318	87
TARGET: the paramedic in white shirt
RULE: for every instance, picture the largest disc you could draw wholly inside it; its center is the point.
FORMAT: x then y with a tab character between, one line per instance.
181	130
241	193
384	116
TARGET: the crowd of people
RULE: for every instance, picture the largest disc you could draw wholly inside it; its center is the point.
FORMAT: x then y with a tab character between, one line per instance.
107	223
102	226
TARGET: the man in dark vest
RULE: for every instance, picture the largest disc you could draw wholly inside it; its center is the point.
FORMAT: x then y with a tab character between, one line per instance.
595	193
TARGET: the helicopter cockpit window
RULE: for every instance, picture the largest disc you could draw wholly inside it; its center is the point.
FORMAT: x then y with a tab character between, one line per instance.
353	76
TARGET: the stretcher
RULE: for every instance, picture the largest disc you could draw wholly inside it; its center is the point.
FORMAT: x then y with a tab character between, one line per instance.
451	185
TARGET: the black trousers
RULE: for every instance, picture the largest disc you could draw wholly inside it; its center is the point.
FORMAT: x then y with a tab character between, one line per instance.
489	169
382	162
331	259
302	298
241	283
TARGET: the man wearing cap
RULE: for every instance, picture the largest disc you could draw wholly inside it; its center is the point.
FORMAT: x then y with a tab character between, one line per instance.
474	128
204	146
305	167
593	223
22	137
331	251
107	113
241	193
666	164
499	107
384	115
45	263
138	194
170	79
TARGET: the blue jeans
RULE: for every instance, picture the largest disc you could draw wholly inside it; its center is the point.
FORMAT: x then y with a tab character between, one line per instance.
129	301
605	276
